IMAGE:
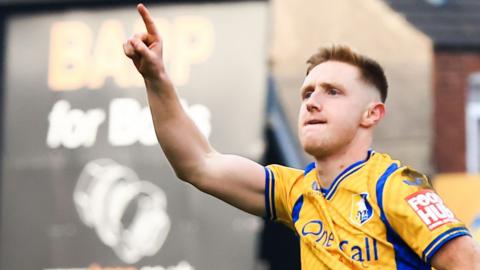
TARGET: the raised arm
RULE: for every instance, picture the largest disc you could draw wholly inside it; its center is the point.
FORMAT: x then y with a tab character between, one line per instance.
233	179
459	253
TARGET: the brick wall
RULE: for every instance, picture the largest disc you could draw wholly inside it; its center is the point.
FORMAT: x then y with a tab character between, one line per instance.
451	71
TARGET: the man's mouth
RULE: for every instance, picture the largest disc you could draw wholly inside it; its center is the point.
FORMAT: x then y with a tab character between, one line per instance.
315	122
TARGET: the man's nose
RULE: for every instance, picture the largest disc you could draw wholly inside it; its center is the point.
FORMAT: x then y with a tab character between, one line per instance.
314	102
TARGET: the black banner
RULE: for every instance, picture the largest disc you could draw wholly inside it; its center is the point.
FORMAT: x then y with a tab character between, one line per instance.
84	183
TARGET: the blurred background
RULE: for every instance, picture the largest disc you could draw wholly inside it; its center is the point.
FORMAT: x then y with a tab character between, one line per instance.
84	184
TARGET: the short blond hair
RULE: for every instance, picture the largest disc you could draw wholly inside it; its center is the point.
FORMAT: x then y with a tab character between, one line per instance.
371	72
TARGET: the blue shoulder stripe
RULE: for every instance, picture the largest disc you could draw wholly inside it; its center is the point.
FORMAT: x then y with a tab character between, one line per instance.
296	209
381	184
441	240
270	195
405	258
268	214
309	167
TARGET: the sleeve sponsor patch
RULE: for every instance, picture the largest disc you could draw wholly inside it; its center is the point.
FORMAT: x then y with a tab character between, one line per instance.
430	208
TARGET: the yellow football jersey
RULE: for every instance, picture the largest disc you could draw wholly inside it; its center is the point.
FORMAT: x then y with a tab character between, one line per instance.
376	214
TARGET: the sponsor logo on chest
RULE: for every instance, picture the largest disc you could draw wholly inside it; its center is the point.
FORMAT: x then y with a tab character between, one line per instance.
362	249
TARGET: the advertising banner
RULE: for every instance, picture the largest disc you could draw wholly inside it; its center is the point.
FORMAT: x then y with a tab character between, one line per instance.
84	183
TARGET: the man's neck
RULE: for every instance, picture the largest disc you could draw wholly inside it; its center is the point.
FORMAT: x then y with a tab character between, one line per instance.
328	168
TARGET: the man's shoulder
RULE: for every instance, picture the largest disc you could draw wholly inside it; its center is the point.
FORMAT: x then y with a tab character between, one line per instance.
389	175
281	169
381	164
382	167
383	158
287	177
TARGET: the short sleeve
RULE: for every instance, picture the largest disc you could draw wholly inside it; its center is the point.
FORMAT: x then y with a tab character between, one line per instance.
278	186
418	214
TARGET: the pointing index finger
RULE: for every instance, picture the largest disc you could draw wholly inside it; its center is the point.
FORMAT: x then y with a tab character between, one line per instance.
147	19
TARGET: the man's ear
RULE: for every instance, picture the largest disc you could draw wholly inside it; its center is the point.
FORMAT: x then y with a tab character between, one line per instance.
374	113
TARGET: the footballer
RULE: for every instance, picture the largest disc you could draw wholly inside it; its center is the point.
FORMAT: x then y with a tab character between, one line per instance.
353	208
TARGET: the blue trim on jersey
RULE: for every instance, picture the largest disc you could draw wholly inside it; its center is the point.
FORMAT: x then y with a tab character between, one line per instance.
268	215
351	170
381	184
272	198
441	240
346	173
328	193
405	258
296	209
309	167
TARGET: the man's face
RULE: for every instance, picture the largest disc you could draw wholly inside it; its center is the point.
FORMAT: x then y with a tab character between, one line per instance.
334	100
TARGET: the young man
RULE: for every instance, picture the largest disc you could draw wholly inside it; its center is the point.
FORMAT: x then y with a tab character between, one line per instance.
352	208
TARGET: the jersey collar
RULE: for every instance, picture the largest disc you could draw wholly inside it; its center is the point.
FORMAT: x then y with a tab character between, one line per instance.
328	193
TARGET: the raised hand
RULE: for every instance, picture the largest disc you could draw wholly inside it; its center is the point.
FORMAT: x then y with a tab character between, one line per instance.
236	180
146	49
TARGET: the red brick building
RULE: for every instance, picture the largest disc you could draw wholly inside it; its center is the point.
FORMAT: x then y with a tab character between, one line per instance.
454	27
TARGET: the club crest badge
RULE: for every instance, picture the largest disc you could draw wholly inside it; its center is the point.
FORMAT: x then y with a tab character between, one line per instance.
362	210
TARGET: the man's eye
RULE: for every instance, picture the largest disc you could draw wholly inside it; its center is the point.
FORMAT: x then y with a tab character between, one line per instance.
307	94
332	91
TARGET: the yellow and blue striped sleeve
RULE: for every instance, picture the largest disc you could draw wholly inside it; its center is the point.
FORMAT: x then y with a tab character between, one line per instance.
278	185
415	216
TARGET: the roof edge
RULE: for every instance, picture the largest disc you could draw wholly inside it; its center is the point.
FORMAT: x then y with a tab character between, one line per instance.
456	47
